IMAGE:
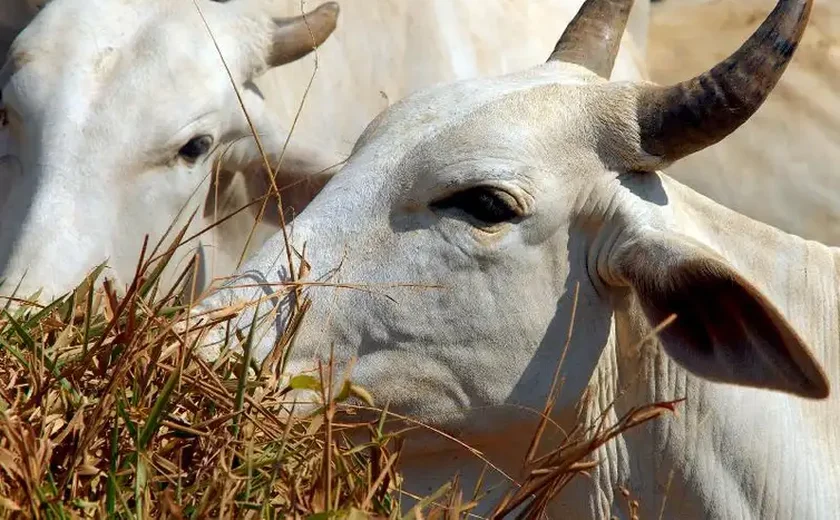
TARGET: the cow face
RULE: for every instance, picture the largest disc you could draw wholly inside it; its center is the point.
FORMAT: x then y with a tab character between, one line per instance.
474	221
117	111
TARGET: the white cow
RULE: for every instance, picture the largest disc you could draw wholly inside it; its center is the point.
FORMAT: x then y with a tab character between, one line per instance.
121	108
468	215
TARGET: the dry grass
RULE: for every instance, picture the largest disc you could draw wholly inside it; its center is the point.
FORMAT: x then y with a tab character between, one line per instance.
105	411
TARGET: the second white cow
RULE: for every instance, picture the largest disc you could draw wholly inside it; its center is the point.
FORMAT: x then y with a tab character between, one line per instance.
447	254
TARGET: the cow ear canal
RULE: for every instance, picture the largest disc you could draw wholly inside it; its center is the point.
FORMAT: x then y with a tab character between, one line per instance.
485	204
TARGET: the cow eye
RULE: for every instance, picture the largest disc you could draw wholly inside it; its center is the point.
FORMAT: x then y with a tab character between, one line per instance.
486	204
196	147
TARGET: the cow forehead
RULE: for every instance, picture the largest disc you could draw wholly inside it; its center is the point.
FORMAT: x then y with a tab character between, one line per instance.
85	36
445	103
483	118
66	28
79	58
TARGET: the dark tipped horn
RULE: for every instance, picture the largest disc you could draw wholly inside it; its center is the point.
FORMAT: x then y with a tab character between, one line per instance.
682	119
593	36
298	36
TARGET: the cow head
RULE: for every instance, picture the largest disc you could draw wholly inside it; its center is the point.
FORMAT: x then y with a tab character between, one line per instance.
117	112
474	219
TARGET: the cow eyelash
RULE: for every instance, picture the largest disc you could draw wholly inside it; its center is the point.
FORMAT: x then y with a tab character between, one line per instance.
483	203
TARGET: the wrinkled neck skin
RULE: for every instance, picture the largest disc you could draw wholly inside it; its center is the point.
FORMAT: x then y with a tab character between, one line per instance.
727	452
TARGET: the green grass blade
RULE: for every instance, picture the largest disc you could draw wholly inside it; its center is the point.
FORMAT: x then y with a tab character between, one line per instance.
13	295
158	408
36	318
88	313
427	501
239	401
113	464
22	334
16	353
121	411
153	278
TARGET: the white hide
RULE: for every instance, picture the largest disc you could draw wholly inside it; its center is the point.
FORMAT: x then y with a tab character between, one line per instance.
460	324
106	92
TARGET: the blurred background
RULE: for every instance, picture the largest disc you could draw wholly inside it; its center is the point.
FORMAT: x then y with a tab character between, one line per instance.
783	165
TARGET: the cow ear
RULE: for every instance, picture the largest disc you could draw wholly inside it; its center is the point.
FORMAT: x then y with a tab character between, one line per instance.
299	177
301	166
725	330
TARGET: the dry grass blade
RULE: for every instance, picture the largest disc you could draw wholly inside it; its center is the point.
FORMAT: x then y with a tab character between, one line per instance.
552	472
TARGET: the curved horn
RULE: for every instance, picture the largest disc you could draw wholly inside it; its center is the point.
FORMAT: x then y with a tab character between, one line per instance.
682	119
593	36
297	36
